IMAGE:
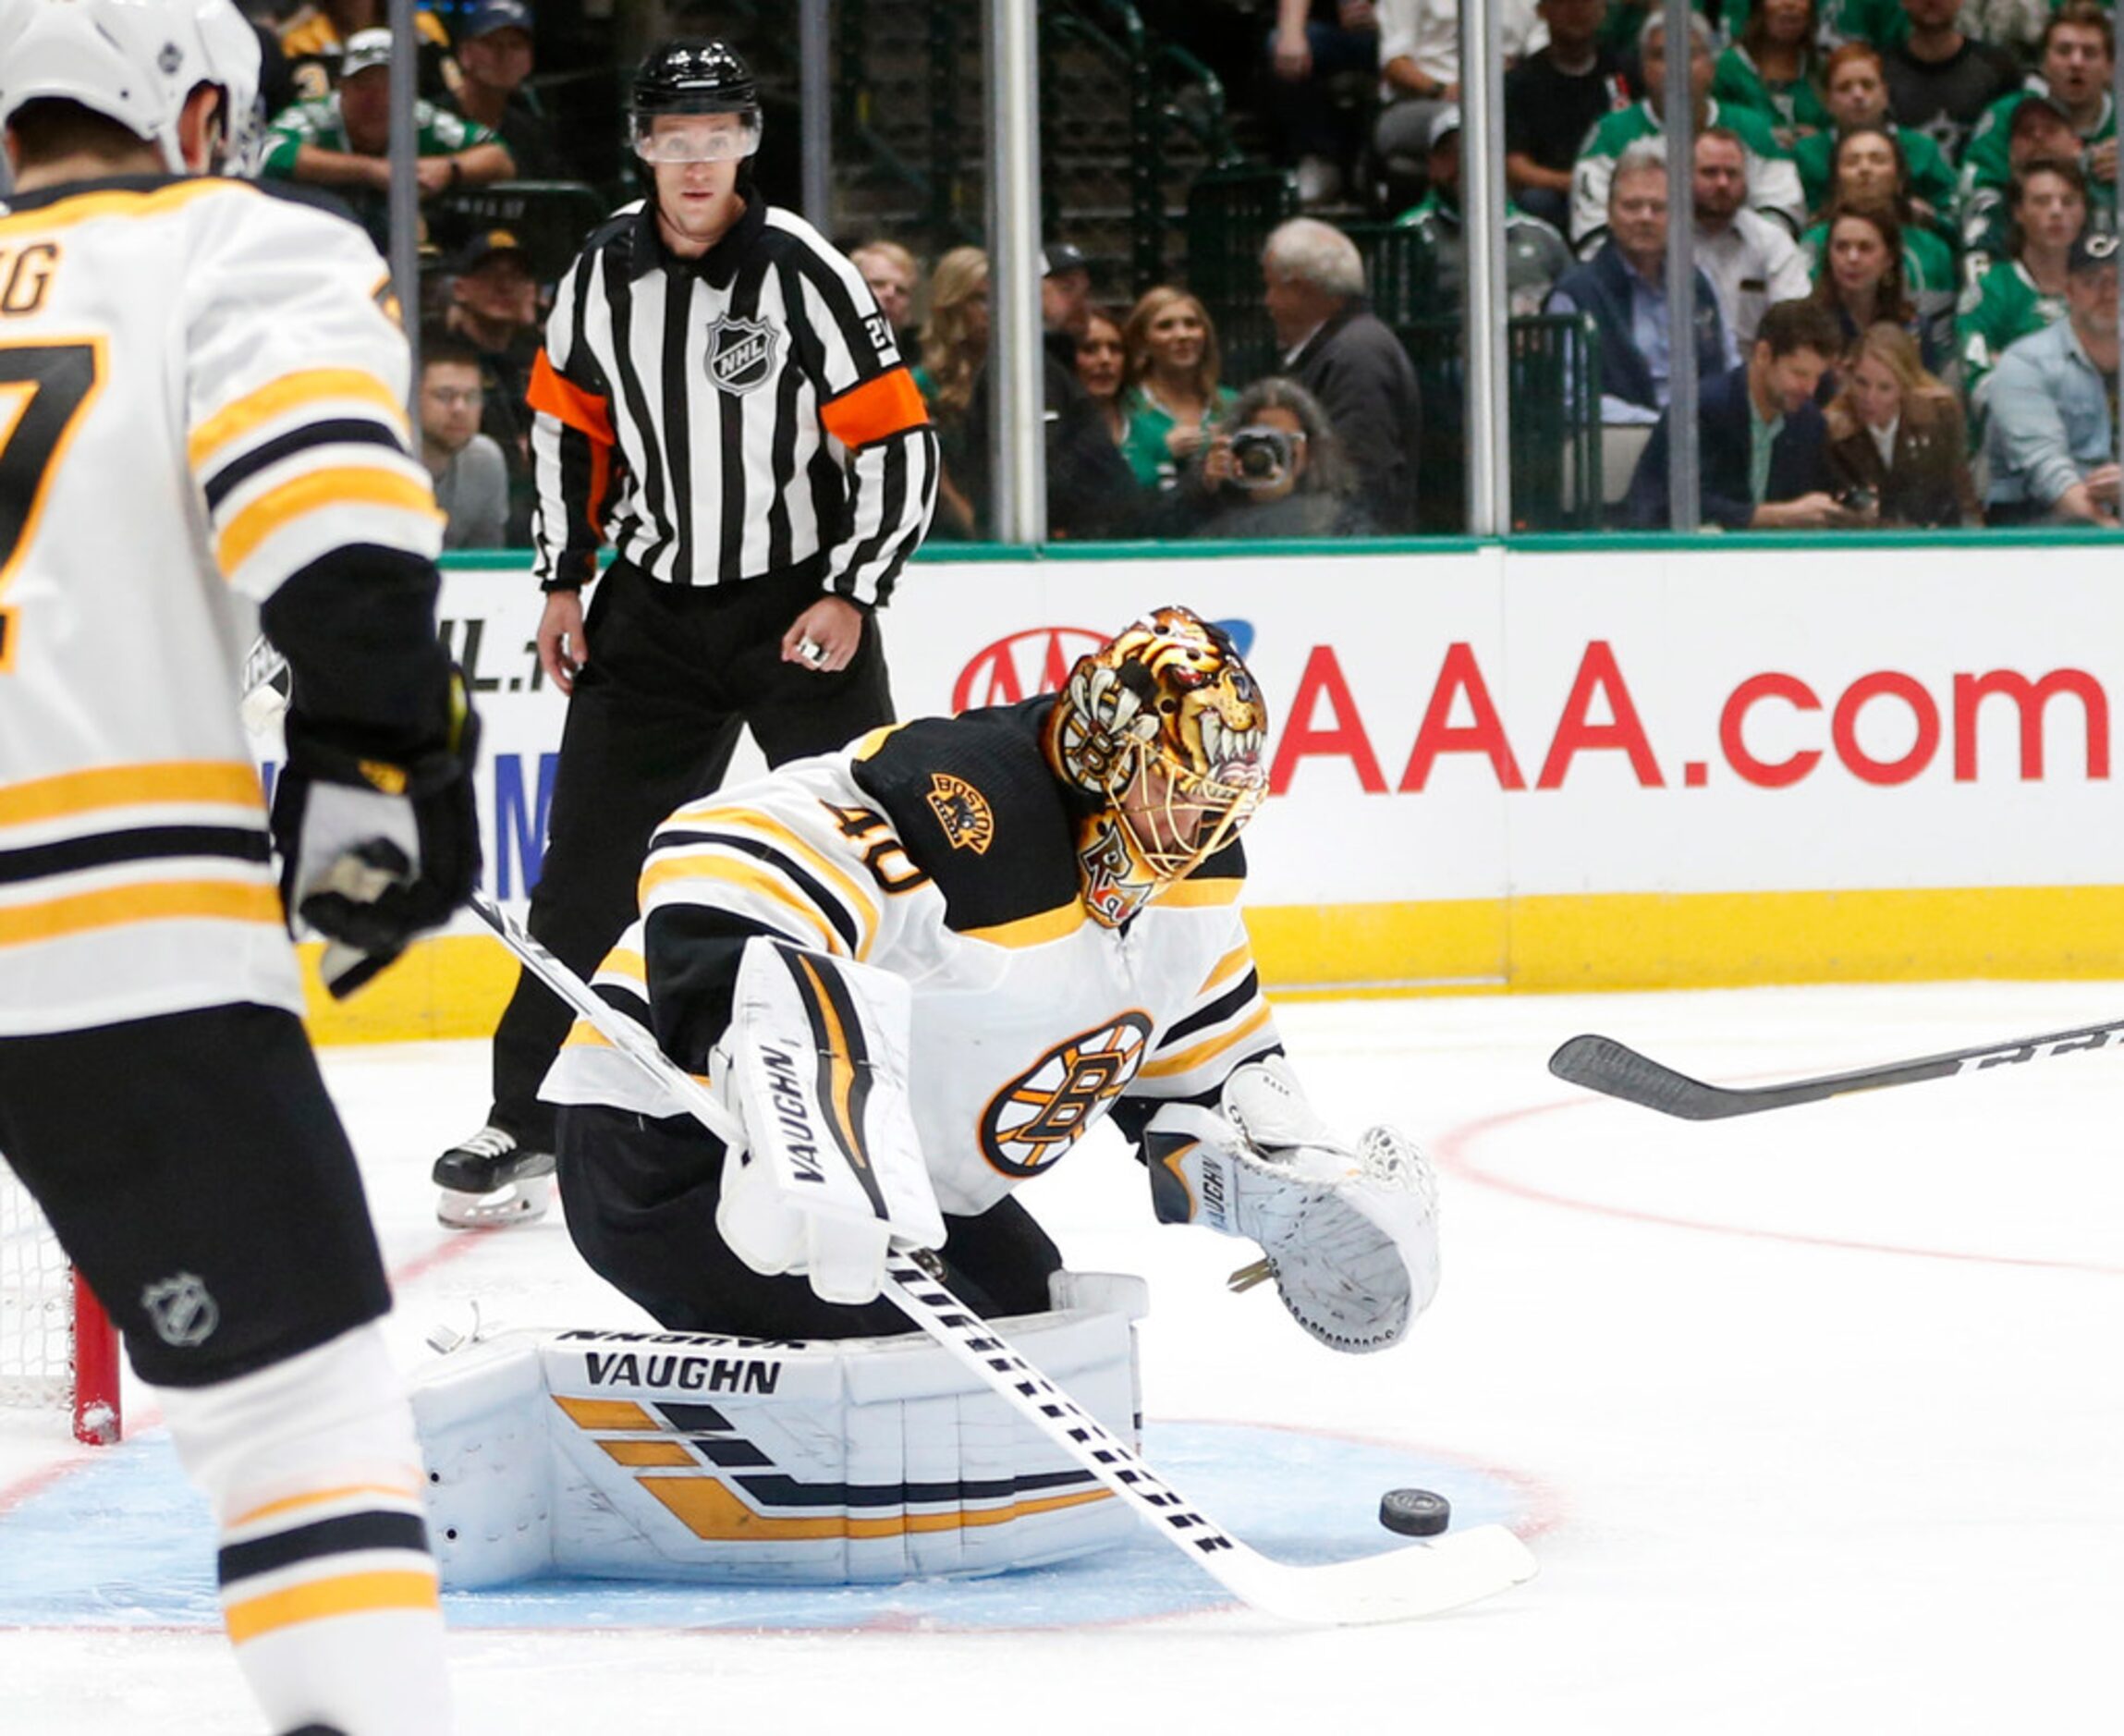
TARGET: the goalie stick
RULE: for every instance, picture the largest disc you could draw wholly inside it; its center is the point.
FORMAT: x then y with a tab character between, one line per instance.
1618	1071
1420	1580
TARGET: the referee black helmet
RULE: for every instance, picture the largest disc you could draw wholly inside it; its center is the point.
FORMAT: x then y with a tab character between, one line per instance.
694	74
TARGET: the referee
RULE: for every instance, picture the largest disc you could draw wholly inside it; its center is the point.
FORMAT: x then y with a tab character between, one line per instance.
721	399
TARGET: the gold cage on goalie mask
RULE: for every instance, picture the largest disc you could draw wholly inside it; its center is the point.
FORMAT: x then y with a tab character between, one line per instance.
1166	724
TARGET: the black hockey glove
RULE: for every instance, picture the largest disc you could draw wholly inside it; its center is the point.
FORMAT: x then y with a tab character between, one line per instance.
373	851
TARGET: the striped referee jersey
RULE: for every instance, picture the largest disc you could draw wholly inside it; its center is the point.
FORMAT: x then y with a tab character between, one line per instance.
725	417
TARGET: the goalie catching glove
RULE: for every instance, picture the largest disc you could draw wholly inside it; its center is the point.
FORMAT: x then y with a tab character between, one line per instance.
374	850
1351	1233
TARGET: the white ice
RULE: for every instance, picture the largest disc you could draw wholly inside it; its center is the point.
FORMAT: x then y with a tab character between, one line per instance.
1817	1415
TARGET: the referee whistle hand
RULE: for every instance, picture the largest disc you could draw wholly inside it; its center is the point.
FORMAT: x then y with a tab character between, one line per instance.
825	636
562	648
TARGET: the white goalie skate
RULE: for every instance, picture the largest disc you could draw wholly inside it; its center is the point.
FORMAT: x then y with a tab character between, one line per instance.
488	1181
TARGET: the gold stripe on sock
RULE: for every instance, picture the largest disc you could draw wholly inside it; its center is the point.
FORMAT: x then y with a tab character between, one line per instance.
320	1600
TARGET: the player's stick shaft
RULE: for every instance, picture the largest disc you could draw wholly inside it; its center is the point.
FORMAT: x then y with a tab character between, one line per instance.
1618	1071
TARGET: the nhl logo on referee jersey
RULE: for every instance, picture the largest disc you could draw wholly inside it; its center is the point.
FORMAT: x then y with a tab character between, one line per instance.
184	1314
741	354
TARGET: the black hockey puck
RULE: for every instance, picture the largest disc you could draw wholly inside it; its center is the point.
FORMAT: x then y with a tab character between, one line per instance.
1414	1512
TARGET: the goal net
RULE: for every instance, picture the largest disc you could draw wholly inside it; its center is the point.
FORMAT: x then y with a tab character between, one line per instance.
58	1350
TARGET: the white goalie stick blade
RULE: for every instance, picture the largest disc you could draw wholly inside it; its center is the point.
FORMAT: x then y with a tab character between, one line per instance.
1422	1579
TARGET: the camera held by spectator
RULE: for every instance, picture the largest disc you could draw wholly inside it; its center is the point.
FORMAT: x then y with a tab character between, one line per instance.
1276	470
1264	457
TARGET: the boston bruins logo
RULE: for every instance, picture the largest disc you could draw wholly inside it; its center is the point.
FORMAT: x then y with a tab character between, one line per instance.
1036	1118
963	812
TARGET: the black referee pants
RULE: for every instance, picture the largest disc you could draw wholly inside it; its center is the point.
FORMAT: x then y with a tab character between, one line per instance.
673	672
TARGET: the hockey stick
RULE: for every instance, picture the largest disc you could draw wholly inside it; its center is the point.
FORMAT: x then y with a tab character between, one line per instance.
1601	1064
1420	1580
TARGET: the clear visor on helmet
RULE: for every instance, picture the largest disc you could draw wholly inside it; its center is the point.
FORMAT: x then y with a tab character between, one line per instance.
1178	818
696	138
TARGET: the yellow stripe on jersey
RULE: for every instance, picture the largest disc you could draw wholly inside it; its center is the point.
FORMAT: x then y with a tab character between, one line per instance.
291	391
1194	895
738	872
771	831
63	213
231	782
1186	1060
172	901
867	745
624	961
320	1600
320	489
1229	966
1035	931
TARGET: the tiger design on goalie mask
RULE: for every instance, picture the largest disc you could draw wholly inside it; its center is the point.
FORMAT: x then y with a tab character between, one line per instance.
1166	725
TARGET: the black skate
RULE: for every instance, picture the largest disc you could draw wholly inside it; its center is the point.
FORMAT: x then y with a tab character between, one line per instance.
490	1183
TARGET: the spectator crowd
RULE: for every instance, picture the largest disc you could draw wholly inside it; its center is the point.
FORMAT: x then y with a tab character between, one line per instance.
1903	221
1904	305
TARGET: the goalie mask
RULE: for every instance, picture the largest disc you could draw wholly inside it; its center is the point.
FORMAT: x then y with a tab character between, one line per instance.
1165	727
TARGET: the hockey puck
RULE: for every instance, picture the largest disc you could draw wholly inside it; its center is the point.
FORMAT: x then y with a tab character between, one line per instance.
1414	1512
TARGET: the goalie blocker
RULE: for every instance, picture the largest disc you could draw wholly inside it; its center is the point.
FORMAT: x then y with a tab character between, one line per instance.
682	1456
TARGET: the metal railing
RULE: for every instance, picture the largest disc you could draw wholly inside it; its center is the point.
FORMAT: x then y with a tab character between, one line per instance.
1126	118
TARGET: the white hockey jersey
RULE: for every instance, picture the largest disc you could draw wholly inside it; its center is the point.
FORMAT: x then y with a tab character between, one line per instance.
945	851
201	391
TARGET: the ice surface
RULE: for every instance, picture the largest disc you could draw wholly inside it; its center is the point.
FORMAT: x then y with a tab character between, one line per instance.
1814	1420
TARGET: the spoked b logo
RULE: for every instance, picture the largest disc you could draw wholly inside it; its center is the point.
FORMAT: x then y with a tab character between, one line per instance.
1042	1112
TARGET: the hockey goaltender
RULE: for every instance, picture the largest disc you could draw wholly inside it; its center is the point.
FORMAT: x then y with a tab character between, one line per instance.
987	933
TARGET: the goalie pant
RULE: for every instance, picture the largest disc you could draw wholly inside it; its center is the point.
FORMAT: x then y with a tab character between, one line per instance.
944	852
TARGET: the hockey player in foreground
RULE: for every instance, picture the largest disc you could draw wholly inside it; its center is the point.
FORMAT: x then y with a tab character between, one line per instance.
969	939
201	396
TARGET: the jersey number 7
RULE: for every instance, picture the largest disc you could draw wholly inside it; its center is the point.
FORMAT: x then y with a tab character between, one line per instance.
43	388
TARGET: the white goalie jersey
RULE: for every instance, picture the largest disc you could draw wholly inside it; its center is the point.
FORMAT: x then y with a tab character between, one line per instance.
943	852
202	392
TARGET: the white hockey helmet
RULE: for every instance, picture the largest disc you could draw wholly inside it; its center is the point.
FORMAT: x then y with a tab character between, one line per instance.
135	62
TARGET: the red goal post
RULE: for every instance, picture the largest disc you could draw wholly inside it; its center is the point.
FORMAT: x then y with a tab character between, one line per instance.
58	1349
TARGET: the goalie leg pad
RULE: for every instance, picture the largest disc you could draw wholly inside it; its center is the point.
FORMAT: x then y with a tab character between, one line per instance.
684	1456
816	1063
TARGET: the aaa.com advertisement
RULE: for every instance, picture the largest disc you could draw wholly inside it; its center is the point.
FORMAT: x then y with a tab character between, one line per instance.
1463	739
